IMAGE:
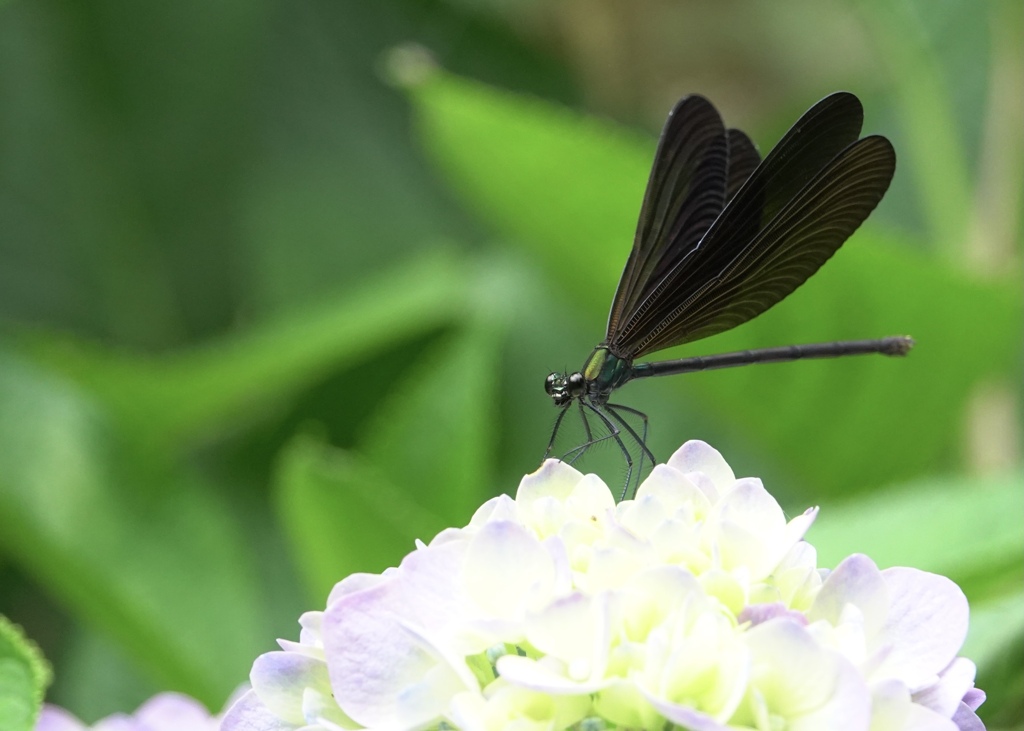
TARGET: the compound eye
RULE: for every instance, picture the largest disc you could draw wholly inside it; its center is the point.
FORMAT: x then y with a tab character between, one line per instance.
576	383
549	383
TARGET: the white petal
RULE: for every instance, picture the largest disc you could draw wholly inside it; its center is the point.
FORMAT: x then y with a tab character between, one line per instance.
574	630
320	709
811	687
552	479
528	673
501	507
590	499
310	623
249	714
797	528
469	711
893	710
748	528
279	678
674	493
610	567
505	567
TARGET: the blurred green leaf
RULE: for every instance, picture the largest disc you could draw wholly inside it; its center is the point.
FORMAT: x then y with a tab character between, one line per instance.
996	643
964	528
995	625
423	464
342	516
937	157
568	188
151	557
24	675
180	396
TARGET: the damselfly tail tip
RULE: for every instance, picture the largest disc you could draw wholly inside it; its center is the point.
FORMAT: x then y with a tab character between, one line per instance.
899	345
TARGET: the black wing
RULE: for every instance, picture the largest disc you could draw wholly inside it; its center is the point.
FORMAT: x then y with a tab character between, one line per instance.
799	240
743	160
685	194
789	216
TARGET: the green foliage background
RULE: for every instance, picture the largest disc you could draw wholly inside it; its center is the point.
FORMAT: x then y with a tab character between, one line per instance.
268	315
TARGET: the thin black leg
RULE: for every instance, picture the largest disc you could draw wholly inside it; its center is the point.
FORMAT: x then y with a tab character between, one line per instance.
581	449
641	441
618	440
554	432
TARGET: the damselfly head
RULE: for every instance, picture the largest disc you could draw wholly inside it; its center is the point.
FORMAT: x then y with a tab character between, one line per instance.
564	388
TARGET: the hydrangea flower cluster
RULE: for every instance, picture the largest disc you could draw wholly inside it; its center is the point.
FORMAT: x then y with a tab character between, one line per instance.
164	712
694	605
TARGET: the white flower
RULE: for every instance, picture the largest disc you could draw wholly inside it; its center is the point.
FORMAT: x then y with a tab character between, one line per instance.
695	603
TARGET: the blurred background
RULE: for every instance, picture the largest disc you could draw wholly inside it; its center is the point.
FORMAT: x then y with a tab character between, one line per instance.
280	283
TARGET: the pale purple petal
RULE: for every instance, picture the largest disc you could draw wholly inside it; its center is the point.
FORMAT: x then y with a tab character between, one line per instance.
384	673
967	720
945	696
174	712
926	625
352	584
116	722
857	582
974	698
684	716
426	590
700	457
55	718
759	613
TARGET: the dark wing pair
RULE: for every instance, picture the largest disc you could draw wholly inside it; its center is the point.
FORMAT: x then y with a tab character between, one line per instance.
723	236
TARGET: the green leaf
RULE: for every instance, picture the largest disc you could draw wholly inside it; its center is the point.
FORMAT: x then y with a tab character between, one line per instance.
342	516
24	676
179	396
967	529
568	189
152	558
994	626
423	464
996	643
435	431
937	157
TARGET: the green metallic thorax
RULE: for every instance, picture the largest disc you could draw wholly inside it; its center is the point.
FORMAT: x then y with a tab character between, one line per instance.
605	372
